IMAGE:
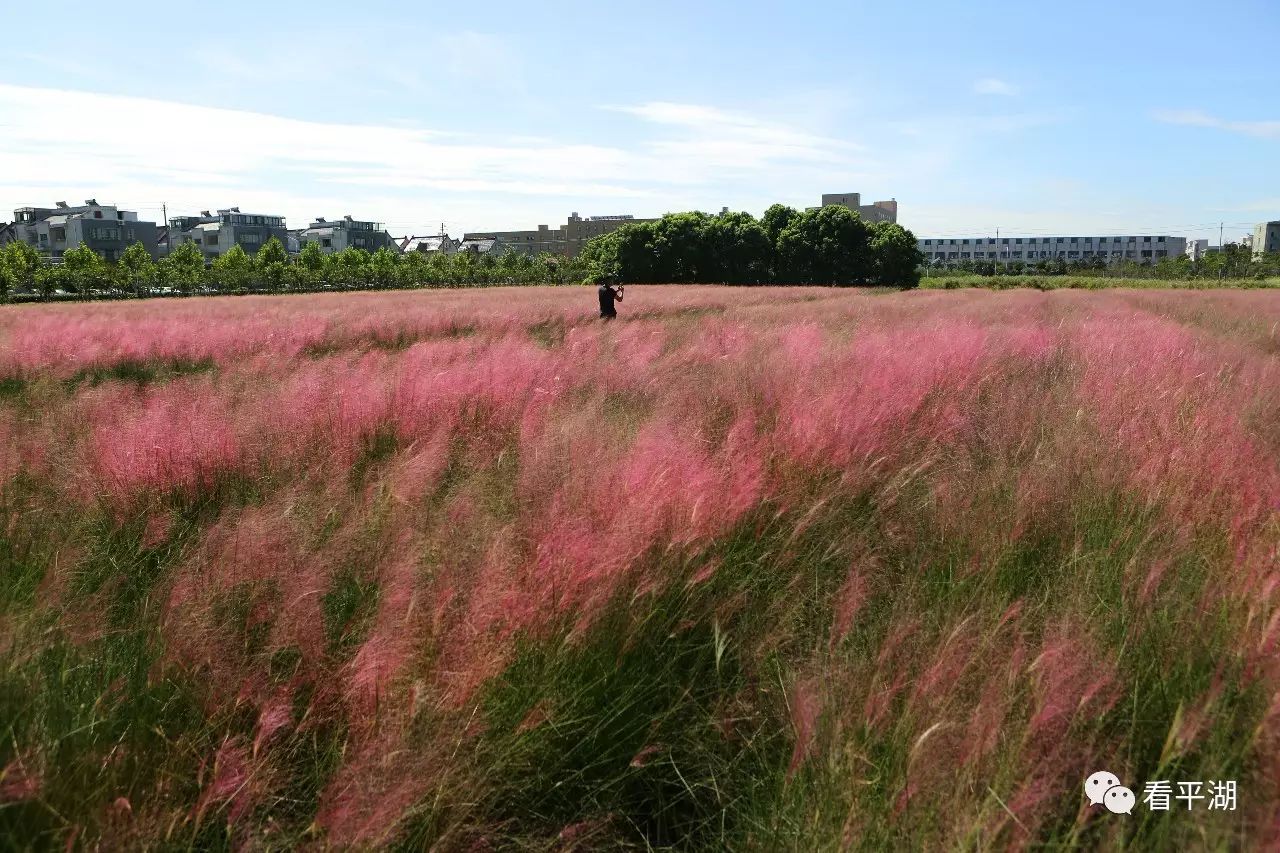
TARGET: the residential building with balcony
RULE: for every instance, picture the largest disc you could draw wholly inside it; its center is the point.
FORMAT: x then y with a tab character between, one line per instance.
346	233
104	228
216	233
1140	249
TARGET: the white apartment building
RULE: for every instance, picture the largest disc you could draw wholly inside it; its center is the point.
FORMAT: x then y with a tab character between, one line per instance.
1141	248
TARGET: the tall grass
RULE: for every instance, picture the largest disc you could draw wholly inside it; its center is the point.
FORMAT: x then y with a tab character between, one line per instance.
748	568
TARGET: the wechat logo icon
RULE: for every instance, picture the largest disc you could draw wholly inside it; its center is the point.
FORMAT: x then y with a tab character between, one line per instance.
1104	789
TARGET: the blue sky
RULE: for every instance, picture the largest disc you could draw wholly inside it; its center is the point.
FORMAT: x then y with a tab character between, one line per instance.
1117	117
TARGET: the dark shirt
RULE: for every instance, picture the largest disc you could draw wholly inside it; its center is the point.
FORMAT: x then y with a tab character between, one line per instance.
607	296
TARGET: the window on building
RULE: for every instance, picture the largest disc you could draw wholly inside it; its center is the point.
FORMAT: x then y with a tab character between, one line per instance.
1059	239
97	214
326	242
1146	239
1073	240
1159	239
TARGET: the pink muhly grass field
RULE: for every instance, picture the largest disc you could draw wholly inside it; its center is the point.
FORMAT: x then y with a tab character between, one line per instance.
797	568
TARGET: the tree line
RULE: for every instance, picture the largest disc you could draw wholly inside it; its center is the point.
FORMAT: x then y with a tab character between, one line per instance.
84	273
828	245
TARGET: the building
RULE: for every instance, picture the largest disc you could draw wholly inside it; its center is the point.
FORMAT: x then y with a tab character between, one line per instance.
8	233
346	233
215	234
1197	249
104	228
568	239
1141	249
881	211
442	243
495	246
1266	239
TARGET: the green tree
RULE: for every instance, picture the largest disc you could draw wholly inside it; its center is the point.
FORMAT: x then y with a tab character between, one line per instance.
19	264
682	248
232	271
350	268
776	219
739	248
183	269
897	255
830	245
136	270
384	267
627	256
85	270
271	263
51	279
311	264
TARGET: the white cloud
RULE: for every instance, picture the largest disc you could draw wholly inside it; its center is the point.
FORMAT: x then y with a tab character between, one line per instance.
142	151
1196	118
994	86
478	58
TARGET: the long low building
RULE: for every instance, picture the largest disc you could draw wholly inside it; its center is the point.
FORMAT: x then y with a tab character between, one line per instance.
568	239
1139	248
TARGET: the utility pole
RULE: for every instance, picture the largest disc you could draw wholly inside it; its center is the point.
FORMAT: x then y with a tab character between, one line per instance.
168	238
1222	249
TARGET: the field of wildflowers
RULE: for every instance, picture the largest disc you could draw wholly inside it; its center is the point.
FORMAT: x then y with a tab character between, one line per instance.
746	568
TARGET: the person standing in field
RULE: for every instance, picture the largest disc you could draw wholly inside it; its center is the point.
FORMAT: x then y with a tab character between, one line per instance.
609	293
